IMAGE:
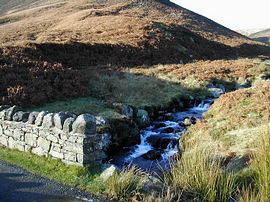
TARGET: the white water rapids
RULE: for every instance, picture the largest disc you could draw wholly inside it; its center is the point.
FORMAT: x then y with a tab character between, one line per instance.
152	134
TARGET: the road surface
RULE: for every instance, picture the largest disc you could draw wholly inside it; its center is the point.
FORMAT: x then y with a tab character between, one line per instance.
18	185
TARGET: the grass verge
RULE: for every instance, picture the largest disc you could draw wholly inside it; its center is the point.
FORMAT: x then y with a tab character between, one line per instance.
84	178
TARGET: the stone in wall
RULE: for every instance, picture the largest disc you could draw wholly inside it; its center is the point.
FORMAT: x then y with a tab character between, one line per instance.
40	117
32	117
48	121
67	127
10	112
61	117
84	124
20	116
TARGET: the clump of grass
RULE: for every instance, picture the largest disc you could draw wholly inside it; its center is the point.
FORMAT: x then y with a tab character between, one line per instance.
261	166
127	183
166	195
248	195
200	173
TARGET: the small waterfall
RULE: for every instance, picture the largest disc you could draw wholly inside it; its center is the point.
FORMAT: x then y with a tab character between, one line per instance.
203	106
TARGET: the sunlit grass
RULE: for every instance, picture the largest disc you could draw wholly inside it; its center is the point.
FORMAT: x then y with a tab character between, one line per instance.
125	184
200	173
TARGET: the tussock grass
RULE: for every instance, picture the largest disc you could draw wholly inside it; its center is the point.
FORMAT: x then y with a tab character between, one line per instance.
198	172
261	165
127	183
167	195
248	195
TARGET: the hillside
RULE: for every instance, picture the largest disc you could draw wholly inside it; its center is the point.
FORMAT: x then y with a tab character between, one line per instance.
43	43
50	50
262	36
248	32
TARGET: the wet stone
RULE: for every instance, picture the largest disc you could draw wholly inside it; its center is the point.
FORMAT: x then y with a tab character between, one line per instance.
167	130
152	155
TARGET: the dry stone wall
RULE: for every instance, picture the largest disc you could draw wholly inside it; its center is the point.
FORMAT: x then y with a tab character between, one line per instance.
63	135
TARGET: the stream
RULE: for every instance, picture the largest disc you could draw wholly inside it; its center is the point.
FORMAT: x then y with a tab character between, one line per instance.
160	141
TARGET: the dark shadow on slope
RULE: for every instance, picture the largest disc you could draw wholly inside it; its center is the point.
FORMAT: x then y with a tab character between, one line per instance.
163	44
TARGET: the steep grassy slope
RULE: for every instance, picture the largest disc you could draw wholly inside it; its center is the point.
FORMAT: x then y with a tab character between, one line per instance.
262	36
234	121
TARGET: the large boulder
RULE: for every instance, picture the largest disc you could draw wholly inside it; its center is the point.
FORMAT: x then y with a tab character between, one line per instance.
216	92
152	155
108	172
85	124
162	141
142	118
124	109
124	133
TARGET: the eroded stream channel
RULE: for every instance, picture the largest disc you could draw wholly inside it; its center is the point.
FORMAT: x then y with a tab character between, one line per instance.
159	141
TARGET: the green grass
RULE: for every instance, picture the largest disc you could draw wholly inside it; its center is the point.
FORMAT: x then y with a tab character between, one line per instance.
81	105
136	90
140	90
84	178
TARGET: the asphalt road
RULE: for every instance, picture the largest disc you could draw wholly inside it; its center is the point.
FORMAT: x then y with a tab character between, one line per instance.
18	185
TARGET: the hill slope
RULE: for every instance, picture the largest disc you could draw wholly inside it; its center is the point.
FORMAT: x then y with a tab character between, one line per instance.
262	36
45	45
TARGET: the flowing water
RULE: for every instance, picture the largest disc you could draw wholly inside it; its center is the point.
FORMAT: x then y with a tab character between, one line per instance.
161	138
